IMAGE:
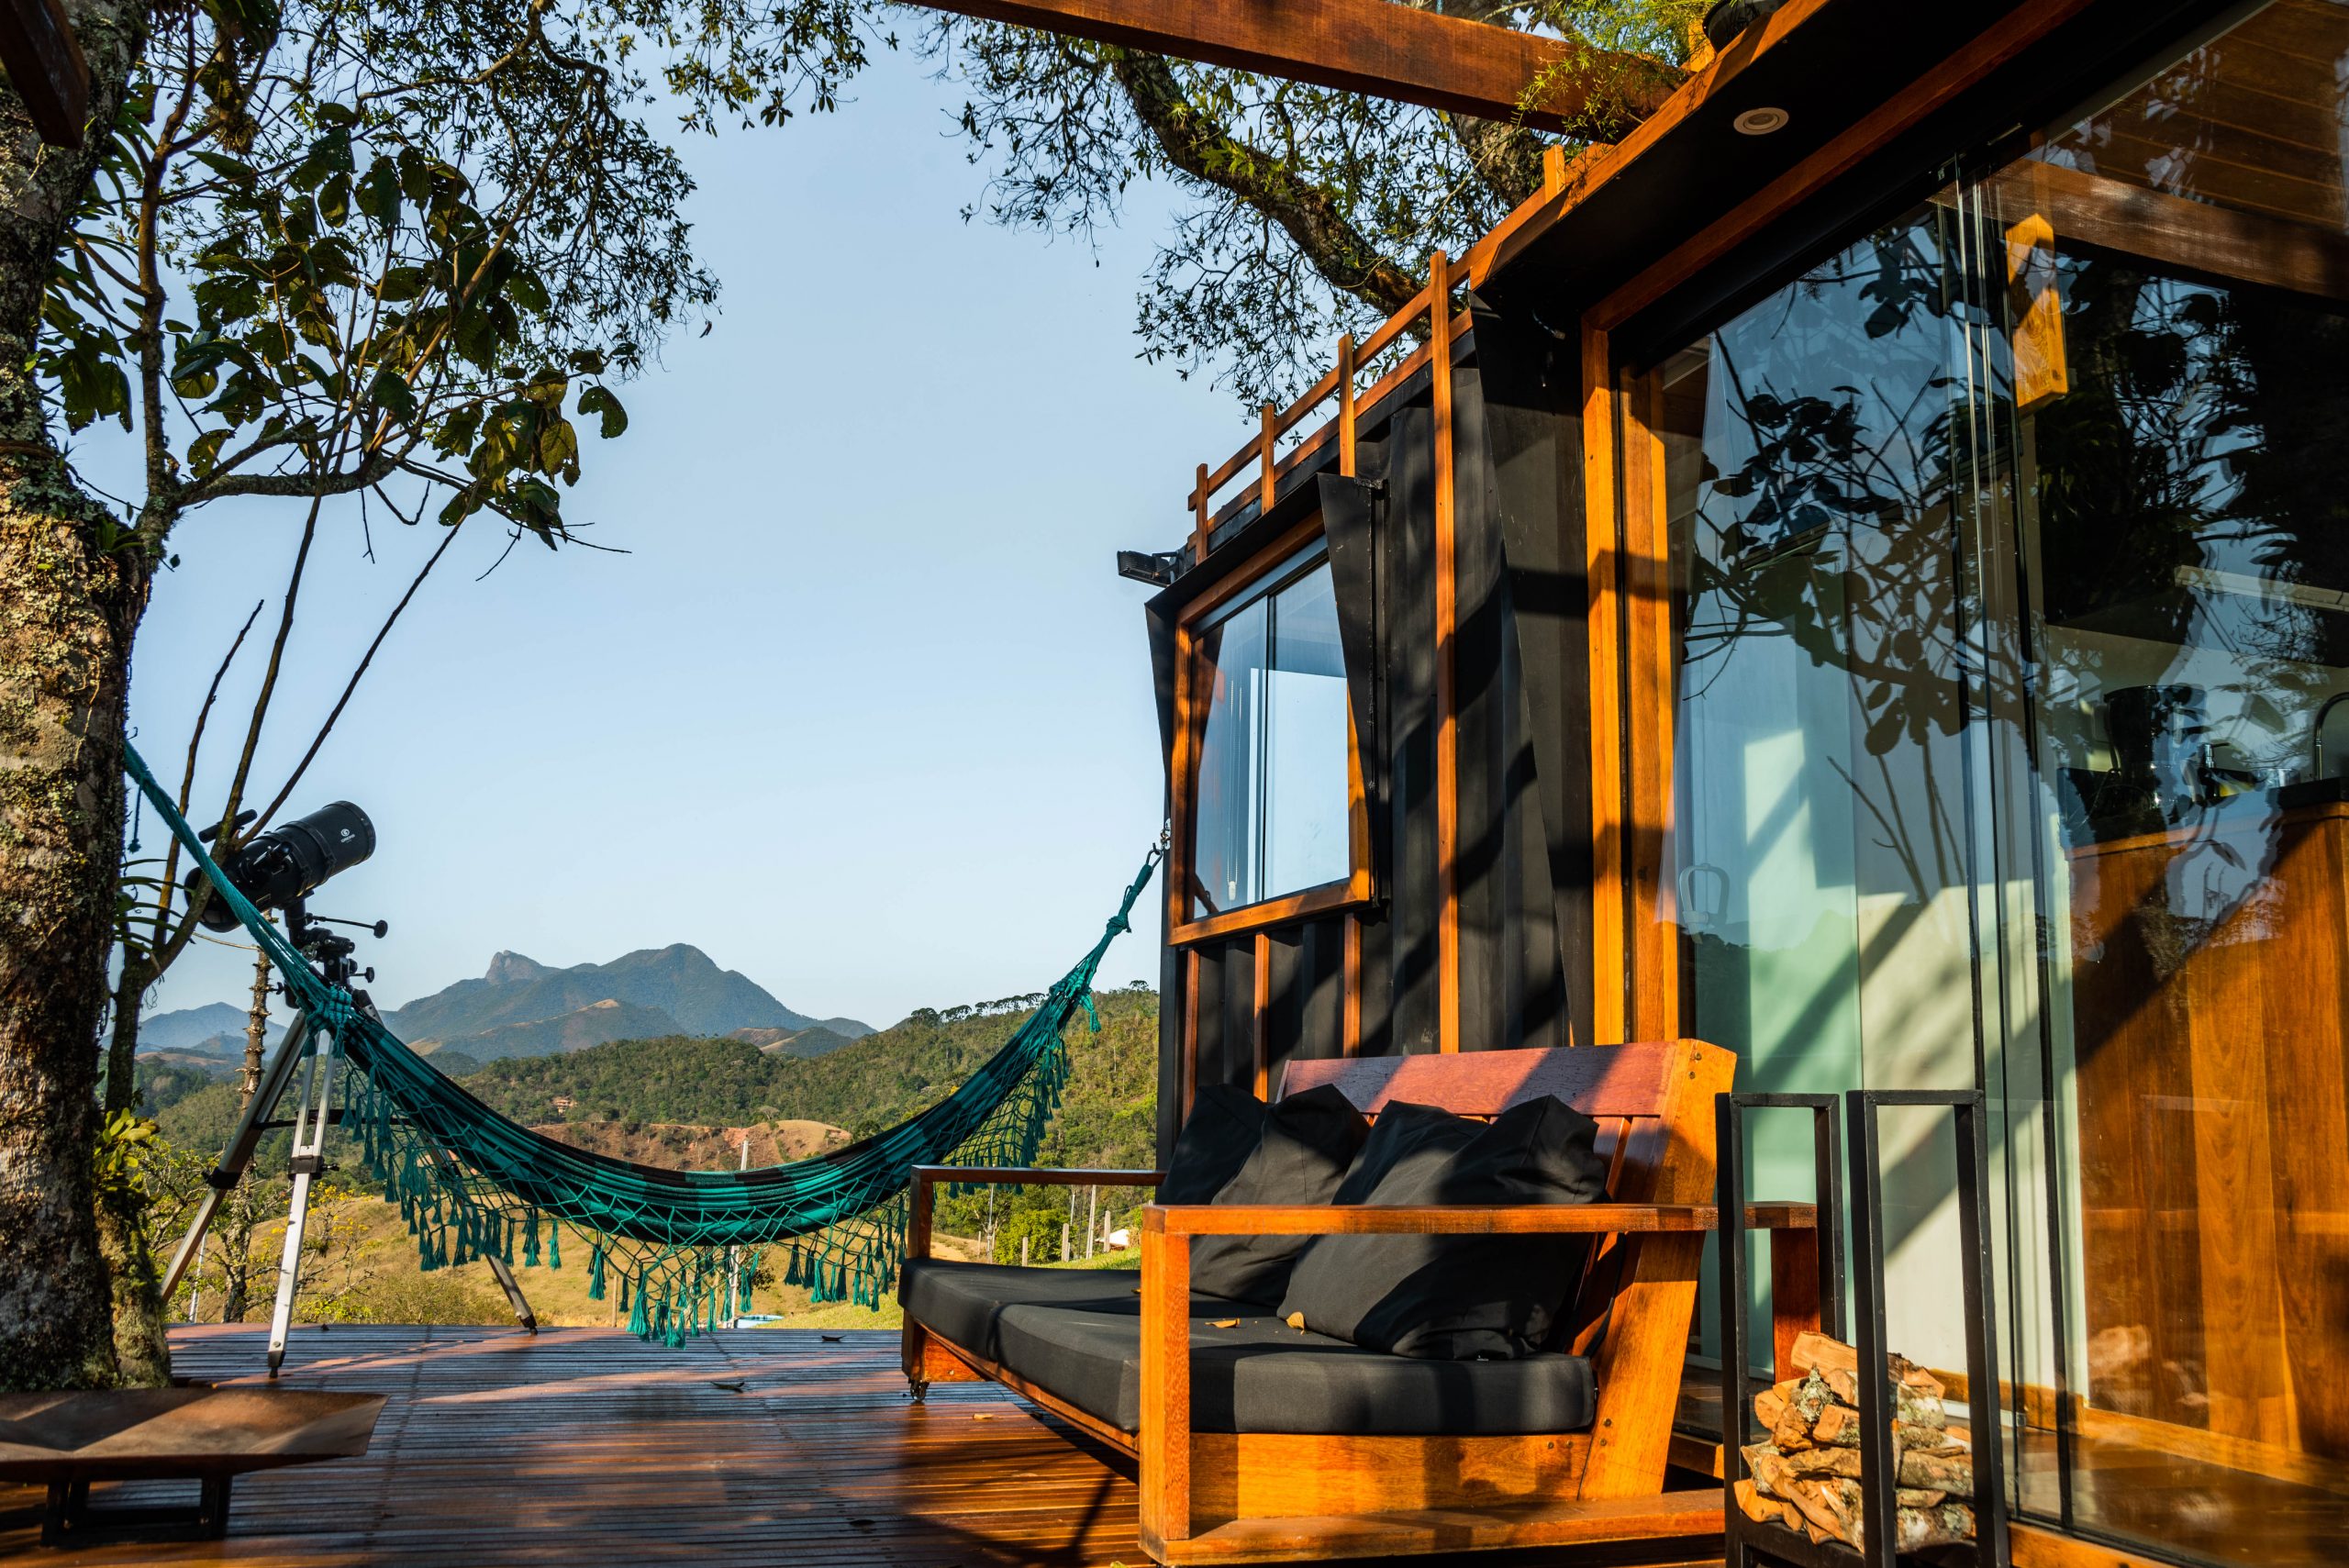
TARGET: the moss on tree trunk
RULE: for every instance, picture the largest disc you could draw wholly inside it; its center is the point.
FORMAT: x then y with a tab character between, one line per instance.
69	606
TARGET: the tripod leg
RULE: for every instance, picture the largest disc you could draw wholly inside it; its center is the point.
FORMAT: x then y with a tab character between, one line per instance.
239	1154
522	1313
310	1120
289	1269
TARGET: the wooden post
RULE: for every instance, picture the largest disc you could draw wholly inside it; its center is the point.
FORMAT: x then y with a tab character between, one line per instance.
1267	440
1199	519
1553	172
1346	406
1190	1031
1350	991
1447	718
1650	712
1610	953
1261	1003
1166	1381
918	1204
1092	1217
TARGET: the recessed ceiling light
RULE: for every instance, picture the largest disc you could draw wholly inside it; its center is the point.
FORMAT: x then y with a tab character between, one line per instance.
1760	122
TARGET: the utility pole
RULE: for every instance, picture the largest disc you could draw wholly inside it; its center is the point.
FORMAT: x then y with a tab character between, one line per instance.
235	1239
1092	1217
256	1031
734	1254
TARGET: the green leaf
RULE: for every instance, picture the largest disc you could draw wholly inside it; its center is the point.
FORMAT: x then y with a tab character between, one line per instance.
601	400
379	191
204	453
200	355
236	171
525	290
464	503
558	445
391	393
334	199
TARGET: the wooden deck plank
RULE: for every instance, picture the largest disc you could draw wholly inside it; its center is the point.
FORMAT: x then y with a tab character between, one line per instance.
587	1445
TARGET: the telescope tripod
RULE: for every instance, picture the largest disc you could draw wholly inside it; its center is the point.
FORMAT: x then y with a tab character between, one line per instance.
314	1059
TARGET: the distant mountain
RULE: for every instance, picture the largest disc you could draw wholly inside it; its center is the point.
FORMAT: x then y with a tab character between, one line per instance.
216	1029
815	1041
598	1023
523	1008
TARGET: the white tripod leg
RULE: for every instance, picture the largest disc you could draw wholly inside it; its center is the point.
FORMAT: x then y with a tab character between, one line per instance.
311	1119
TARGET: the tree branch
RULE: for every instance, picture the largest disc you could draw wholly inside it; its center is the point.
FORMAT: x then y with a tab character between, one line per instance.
352	685
1209	152
301	484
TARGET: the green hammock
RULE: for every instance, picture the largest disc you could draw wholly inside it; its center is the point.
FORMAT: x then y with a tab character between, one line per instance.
684	1246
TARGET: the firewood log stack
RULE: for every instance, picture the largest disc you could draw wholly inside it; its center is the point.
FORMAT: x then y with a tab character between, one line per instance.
1807	1476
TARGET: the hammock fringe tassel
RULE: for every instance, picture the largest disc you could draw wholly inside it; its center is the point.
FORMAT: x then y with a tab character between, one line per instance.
687	1247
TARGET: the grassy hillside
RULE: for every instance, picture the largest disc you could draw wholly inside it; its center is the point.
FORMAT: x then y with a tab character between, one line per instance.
863	1085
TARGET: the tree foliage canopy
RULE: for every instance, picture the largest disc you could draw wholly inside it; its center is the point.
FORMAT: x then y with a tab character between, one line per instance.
1309	213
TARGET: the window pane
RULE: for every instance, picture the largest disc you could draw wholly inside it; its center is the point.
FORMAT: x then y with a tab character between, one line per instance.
1271	808
1224	859
1306	815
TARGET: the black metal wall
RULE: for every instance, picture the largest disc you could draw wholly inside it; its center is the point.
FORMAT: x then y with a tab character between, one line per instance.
1520	683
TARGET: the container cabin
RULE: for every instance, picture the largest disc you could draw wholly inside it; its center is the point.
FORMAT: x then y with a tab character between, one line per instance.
1858	572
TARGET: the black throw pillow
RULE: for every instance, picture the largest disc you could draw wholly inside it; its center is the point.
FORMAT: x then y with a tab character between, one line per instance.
1454	1297
1226	1121
1308	1142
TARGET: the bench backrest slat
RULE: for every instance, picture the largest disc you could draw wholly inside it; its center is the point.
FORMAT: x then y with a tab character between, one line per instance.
1602	1081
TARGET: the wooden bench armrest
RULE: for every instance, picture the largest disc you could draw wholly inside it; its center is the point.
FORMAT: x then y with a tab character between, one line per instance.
1382	1219
923	1196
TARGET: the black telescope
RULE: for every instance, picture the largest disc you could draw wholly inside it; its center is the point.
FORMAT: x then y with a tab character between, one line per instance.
275	868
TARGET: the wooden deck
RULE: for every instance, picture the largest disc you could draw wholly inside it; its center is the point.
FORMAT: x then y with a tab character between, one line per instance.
586	1445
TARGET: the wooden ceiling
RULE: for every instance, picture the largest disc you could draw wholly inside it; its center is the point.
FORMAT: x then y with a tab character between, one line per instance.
2256	120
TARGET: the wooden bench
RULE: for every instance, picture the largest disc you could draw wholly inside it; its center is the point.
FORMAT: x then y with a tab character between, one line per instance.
207	1435
1250	1497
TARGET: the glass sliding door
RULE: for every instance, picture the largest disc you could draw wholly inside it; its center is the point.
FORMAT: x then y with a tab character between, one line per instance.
2009	559
2171	389
1822	873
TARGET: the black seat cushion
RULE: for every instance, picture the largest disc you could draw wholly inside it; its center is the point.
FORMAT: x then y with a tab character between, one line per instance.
1308	1143
963	1302
1454	1297
1259	1375
1225	1123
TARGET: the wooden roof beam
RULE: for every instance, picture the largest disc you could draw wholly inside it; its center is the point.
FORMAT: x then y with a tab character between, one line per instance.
1373	47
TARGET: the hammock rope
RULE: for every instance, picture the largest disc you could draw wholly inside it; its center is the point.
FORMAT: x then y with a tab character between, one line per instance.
683	1247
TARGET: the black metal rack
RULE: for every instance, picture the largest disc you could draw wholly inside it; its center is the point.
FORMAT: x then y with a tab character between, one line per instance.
1749	1542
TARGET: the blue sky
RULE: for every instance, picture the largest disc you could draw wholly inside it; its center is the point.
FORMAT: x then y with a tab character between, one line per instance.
864	713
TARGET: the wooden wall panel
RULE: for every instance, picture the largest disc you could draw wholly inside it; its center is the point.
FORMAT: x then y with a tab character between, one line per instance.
1376	998
1484	918
1532	428
1414	896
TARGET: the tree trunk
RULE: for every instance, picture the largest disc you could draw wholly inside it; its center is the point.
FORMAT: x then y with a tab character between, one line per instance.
69	604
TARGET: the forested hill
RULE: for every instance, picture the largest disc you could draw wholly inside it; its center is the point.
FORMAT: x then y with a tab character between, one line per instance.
882	1079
